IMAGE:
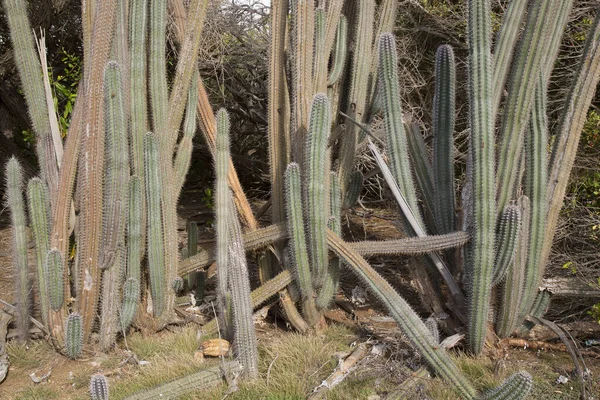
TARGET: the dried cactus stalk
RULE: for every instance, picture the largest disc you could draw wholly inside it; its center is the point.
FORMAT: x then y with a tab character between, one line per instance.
14	187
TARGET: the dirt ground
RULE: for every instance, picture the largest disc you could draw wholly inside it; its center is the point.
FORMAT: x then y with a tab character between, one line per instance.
382	371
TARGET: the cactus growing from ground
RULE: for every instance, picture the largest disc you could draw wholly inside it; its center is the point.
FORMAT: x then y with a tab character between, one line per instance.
14	201
98	387
73	336
514	388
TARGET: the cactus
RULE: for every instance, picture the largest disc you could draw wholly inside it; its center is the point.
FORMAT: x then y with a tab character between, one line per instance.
14	201
155	227
481	150
355	185
507	234
178	284
410	323
339	57
73	336
185	147
514	388
197	381
53	275
423	172
432	325
315	195
394	128
413	246
134	228
39	215
131	294
98	387
299	252
443	144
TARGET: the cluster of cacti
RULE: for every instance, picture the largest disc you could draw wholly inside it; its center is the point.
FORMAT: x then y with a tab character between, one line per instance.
123	212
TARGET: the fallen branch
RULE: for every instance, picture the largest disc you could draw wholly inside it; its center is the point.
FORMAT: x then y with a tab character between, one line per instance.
341	372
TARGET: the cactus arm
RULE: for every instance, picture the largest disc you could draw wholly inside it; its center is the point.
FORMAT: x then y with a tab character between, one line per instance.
413	246
481	148
321	57
536	179
516	387
197	381
185	147
443	144
39	215
394	127
505	46
155	244
571	124
158	68
334	16
299	251
507	234
423	171
320	122
14	186
410	323
542	24
340	52
512	290
359	82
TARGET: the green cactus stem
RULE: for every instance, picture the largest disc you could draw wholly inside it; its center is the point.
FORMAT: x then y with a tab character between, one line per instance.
197	381
131	294
73	336
299	251
53	275
355	186
16	205
98	387
423	172
155	226
481	152
443	144
39	215
514	388
178	284
134	228
339	55
507	235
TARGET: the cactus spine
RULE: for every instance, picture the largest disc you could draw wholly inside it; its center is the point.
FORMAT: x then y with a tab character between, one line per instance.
73	336
443	145
14	187
481	149
98	387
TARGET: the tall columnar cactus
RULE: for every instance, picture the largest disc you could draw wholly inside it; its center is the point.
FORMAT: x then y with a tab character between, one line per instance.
53	279
443	144
155	227
98	387
340	51
299	250
14	201
39	216
315	193
394	127
131	294
74	336
481	149
237	285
